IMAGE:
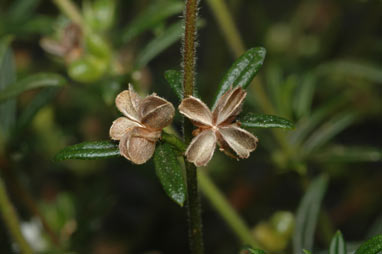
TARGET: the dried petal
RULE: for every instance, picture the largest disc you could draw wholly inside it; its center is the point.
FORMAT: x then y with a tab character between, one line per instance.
229	106
201	148
120	127
136	148
155	112
196	111
239	140
126	102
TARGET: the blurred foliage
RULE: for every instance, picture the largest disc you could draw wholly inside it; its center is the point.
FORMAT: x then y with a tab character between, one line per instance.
323	72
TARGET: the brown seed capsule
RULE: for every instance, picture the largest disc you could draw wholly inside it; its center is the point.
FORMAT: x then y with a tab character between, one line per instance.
142	125
217	127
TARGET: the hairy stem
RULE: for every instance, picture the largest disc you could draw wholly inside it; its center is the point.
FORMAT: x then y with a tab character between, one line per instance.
193	199
8	213
218	201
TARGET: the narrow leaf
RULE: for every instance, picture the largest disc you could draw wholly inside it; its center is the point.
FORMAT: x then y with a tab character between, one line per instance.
7	77
250	250
159	44
338	245
89	151
242	72
31	82
40	100
170	173
371	246
252	120
304	96
347	154
174	78
307	214
328	131
151	17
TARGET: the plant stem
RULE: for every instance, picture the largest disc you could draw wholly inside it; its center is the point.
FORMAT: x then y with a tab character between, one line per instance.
218	200
193	199
71	11
11	221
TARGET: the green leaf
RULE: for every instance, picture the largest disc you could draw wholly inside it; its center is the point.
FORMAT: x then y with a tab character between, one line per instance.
338	245
174	78
328	131
32	82
348	69
159	44
40	100
170	173
306	251
252	120
89	151
304	96
346	154
242	72
7	77
371	246
307	214
151	17
250	250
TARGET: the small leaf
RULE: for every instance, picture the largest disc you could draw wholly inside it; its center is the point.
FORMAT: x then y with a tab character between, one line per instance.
170	173
7	77
250	250
89	151
174	78
151	17
371	246
337	245
328	131
242	72
348	154
252	120
306	251
31	82
159	44
307	214
40	100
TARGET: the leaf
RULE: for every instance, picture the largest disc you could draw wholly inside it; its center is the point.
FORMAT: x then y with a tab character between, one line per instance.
151	17
307	214
338	245
306	251
40	100
170	173
89	151
32	82
348	68
252	120
371	246
304	96
160	43
307	124
250	250
7	76
328	130
174	78
242	71
347	154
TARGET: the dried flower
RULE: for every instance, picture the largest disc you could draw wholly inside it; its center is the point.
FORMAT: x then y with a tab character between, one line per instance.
141	127
217	127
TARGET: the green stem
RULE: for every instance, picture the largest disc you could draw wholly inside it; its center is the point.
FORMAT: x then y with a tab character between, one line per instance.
193	199
218	200
228	28
11	221
72	12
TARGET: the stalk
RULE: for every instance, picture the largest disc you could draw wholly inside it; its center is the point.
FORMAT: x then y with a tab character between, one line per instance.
8	213
193	198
